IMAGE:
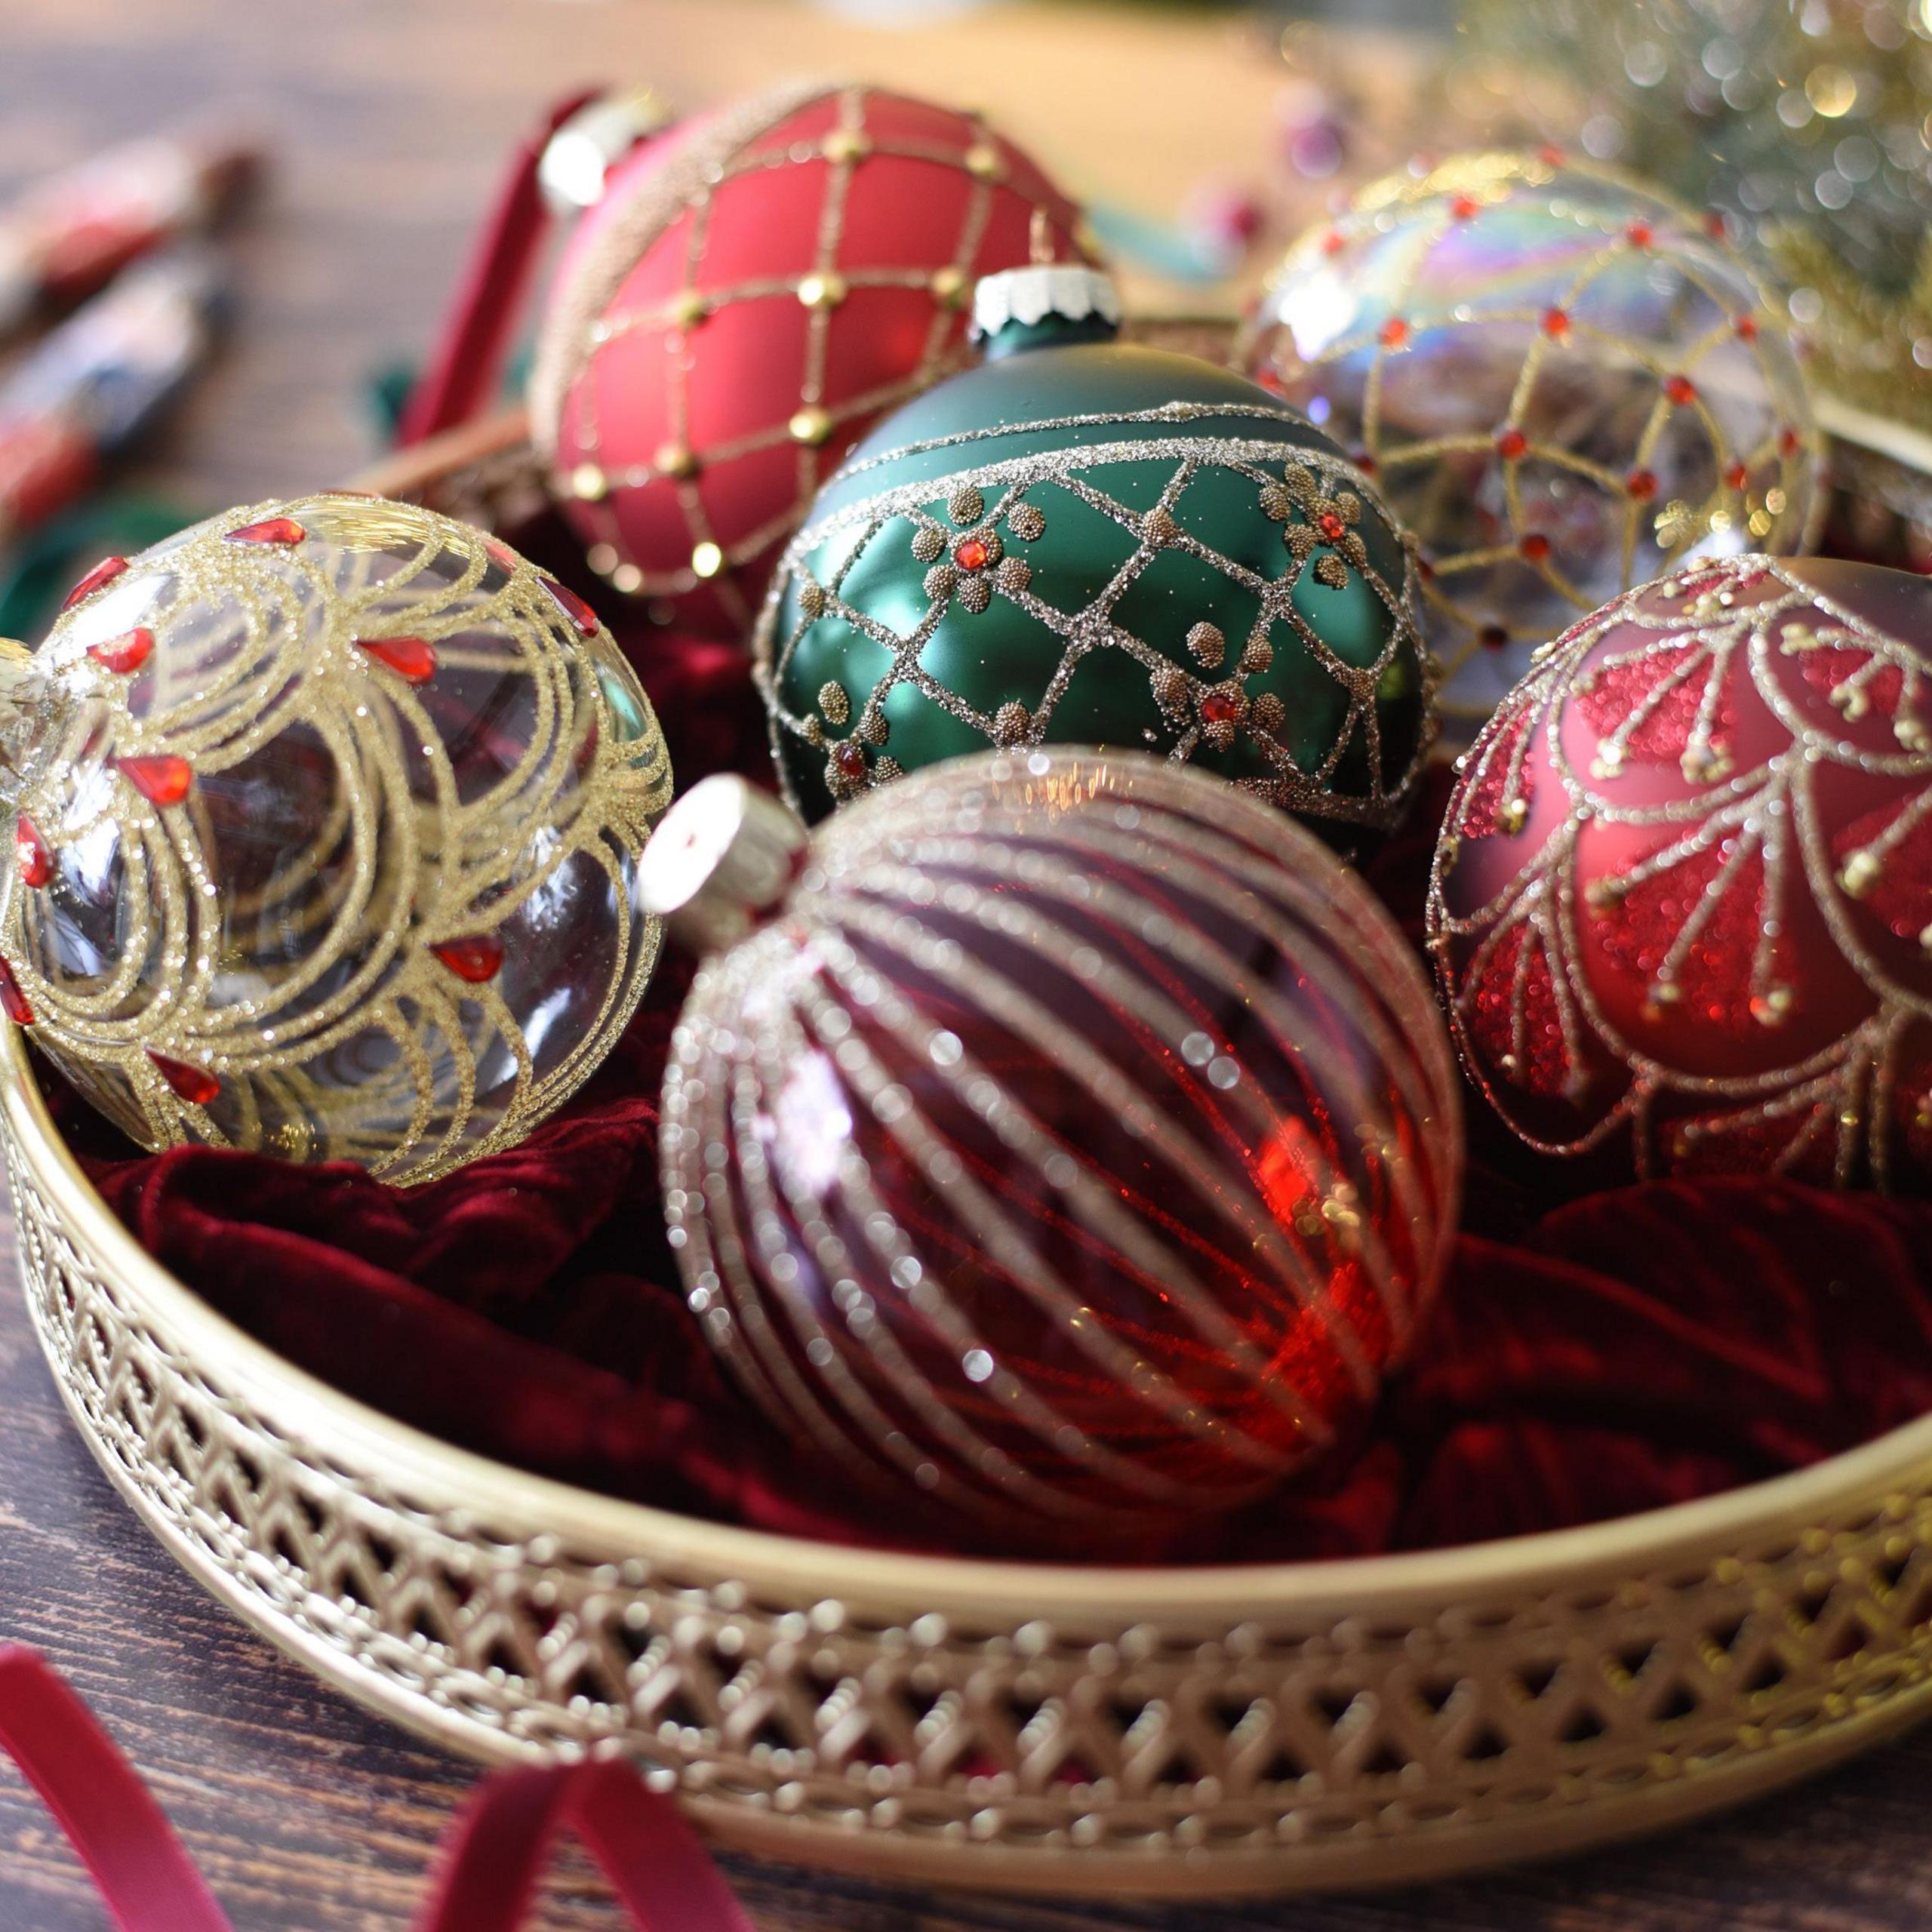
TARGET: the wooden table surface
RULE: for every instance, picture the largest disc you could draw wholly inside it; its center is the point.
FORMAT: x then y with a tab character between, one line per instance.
304	1813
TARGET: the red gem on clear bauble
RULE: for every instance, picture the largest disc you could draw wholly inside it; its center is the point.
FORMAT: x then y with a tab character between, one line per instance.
271	530
125	653
161	778
99	578
412	658
475	958
12	1002
573	606
195	1084
36	862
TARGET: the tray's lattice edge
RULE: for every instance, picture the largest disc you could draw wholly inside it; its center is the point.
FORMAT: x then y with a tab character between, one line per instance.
1274	1752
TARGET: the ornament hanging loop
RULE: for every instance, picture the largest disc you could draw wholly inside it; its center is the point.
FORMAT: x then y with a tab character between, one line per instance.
723	861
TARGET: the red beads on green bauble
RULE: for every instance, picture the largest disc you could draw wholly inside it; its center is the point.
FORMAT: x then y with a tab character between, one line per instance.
325	814
1567	385
1088	541
1075	1141
1682	899
753	290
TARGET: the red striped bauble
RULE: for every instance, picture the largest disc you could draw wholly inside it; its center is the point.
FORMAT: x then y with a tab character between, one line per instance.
1078	1144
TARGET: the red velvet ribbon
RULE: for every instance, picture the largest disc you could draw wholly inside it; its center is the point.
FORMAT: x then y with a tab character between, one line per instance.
485	1873
467	363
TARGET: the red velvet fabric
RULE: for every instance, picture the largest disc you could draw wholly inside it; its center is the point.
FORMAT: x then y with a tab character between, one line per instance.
1594	1353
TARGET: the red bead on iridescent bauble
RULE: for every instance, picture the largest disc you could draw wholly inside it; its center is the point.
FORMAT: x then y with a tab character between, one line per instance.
1683	896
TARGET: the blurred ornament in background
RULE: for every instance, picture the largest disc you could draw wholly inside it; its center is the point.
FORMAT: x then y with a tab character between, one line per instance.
326	813
1313	125
1809	122
1075	1141
753	290
1564	384
1683	891
1085	541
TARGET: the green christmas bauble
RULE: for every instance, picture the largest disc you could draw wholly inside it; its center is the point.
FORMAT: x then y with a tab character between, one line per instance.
1082	541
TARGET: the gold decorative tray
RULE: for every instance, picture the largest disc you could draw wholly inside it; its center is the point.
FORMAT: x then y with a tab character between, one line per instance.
1195	1732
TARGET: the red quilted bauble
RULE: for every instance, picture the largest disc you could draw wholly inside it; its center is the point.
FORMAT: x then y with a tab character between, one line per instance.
1684	888
750	294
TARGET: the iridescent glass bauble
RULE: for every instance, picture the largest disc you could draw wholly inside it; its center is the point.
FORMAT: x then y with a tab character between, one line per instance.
1077	1143
1564	383
327	814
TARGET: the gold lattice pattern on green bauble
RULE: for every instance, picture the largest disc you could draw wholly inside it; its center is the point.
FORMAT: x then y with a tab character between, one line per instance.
1200	680
327	828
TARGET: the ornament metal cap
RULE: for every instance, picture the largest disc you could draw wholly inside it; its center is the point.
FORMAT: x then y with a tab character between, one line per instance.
724	858
579	156
1064	291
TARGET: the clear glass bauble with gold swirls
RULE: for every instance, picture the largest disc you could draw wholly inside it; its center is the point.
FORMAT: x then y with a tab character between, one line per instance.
326	814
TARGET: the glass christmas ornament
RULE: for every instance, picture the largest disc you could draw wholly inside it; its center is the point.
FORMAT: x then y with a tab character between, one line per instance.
751	292
1684	892
1565	384
1806	124
1087	541
326	814
1074	1141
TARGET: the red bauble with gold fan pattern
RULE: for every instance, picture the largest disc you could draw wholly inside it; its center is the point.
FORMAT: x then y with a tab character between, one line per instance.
1684	892
750	293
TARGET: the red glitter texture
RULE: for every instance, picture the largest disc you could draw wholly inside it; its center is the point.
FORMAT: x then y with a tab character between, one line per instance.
1713	976
1752	1143
1543	1063
1615	690
1829	665
1492	760
1901	896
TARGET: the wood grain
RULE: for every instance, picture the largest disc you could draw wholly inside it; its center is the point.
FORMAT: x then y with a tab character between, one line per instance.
392	119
